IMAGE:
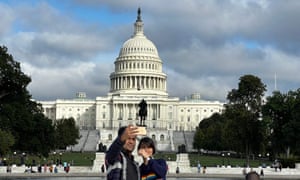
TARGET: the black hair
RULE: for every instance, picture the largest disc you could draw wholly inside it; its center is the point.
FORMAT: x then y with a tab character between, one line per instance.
121	130
148	142
252	176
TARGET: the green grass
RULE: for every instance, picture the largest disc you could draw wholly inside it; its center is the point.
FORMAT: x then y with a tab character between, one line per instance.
210	161
87	158
79	159
74	158
213	161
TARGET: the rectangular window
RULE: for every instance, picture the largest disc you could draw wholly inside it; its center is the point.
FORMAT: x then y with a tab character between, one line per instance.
170	114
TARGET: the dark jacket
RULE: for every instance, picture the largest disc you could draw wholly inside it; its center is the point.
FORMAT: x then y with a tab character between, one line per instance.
155	169
120	164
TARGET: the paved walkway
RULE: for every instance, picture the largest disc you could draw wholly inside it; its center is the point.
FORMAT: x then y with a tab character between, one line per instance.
211	172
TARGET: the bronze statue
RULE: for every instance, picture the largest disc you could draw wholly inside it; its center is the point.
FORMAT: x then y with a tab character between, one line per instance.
143	112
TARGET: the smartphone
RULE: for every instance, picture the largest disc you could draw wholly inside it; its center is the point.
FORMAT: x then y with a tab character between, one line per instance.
141	131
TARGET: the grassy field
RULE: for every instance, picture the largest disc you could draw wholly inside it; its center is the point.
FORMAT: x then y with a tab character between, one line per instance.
213	161
76	159
87	158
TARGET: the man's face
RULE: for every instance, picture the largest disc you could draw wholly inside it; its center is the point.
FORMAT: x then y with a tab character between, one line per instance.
130	143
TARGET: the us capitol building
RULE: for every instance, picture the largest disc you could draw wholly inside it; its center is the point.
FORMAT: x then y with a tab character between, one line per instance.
137	75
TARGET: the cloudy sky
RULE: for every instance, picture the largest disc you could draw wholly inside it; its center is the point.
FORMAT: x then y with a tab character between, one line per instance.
67	46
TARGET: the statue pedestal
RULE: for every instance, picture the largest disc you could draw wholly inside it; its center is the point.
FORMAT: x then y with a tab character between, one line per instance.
98	162
183	162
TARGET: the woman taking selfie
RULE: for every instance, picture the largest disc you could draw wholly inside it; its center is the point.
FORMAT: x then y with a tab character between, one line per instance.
151	168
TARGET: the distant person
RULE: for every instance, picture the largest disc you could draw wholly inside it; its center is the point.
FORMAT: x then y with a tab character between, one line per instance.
204	170
262	172
55	169
51	168
280	166
199	167
151	168
119	159
102	168
45	168
244	171
252	176
65	165
177	170
40	168
68	168
8	168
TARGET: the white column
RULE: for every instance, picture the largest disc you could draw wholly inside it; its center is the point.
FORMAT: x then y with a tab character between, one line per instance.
140	82
118	83
135	82
124	117
159	83
121	82
145	82
152	83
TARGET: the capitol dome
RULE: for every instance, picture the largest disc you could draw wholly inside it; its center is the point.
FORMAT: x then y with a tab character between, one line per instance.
138	68
138	43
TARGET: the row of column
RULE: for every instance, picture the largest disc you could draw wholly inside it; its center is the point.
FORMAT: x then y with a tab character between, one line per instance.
138	82
130	111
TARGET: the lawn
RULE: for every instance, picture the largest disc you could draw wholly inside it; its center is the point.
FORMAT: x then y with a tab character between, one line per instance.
74	158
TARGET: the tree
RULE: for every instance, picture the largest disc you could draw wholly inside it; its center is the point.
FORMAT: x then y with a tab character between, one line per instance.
19	115
283	112
198	139
209	133
13	81
66	133
244	128
6	142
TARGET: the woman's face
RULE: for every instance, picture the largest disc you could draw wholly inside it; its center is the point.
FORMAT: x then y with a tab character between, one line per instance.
145	151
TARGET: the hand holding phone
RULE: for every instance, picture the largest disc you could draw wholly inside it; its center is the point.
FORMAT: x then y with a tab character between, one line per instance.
141	131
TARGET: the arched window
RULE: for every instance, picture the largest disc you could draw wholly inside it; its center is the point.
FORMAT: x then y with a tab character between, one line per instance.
162	137
110	137
153	137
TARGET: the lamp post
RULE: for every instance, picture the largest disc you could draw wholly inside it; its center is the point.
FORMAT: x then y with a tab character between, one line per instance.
23	158
223	158
15	154
259	156
228	161
54	157
60	160
268	156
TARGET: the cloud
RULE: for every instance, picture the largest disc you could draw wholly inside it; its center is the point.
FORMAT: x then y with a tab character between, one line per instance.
63	83
7	19
207	45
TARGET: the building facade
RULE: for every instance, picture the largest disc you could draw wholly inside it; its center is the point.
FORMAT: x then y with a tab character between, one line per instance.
138	75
